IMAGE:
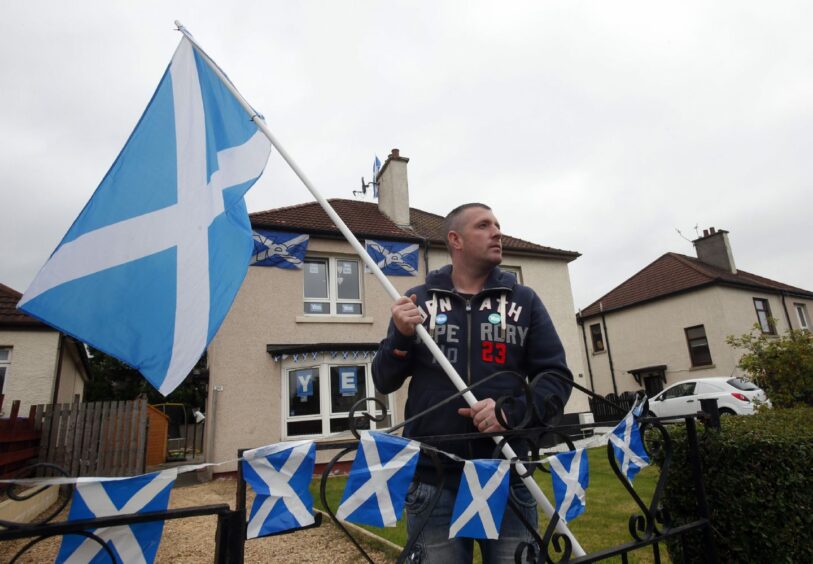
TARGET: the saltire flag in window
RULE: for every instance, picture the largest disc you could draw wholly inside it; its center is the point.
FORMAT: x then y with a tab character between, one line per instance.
481	499
570	477
151	266
109	498
376	488
280	475
279	248
394	258
628	447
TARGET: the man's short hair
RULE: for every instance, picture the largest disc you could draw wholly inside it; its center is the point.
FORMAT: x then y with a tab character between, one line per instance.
452	220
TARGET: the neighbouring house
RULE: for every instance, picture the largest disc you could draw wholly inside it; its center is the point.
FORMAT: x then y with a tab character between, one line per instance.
295	351
669	322
38	364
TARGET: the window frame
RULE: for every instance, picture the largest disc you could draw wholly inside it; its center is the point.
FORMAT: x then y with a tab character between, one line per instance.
768	316
693	348
515	270
802	316
326	414
5	365
331	263
594	339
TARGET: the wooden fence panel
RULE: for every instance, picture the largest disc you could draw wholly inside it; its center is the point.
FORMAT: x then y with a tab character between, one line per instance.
94	439
19	440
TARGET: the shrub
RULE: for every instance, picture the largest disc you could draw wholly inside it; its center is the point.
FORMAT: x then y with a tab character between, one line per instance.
782	366
759	487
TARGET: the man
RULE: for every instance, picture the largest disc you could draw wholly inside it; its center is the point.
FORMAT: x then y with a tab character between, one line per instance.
485	322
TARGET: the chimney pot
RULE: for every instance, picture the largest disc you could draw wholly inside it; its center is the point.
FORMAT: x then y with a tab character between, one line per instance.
395	153
712	230
705	233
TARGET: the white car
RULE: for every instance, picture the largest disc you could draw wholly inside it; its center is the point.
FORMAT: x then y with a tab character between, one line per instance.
735	396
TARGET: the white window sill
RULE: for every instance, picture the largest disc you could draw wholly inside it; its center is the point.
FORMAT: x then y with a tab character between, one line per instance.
704	367
333	319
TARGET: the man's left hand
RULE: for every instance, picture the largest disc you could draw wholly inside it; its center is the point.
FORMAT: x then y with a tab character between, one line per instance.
483	416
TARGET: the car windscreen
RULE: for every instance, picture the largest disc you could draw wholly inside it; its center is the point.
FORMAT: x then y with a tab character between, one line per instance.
743	385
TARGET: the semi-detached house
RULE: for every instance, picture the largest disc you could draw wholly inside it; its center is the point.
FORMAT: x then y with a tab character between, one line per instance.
295	350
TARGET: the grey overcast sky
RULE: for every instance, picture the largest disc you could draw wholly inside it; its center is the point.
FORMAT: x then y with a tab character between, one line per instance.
598	127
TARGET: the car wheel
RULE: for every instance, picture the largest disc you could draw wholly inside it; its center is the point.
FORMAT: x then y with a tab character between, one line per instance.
726	412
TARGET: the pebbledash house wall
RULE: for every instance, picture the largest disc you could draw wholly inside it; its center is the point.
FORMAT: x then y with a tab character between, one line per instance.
245	383
32	373
652	334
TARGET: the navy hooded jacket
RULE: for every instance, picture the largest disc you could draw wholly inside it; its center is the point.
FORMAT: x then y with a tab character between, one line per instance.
505	327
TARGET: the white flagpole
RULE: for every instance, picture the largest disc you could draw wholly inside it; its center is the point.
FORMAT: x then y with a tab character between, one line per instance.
458	382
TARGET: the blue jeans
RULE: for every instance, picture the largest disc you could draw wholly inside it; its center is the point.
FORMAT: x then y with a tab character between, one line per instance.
434	546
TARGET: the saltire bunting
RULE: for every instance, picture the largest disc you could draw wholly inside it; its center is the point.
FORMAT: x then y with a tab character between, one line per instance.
280	249
376	170
394	258
112	497
151	266
628	446
570	476
376	487
481	499
280	475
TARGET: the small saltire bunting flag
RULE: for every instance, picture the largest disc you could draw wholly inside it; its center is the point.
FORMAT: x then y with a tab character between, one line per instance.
151	266
628	446
280	249
280	475
121	496
393	258
569	472
376	488
481	499
376	170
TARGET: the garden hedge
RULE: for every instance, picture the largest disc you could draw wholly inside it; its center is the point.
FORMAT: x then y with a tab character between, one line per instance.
758	473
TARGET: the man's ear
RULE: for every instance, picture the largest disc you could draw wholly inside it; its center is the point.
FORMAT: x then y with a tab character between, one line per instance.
454	240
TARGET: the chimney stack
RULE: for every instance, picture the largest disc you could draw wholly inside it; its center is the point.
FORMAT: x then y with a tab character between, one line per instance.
713	248
393	189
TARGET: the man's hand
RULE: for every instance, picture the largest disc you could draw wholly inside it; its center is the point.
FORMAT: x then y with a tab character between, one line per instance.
406	315
483	416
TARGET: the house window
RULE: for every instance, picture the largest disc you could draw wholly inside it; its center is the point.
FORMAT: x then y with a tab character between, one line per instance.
764	316
5	364
515	270
332	286
698	345
595	336
319	397
801	313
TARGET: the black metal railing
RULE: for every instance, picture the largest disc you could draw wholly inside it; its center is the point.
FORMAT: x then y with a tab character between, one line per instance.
649	528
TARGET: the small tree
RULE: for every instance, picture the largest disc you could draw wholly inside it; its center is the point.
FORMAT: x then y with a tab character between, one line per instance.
782	366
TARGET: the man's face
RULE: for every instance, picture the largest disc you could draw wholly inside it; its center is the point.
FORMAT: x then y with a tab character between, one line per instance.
480	239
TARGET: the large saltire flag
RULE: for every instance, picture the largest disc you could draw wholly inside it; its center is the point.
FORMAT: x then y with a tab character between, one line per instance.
149	269
376	488
394	258
109	498
280	475
570	476
628	447
481	499
280	249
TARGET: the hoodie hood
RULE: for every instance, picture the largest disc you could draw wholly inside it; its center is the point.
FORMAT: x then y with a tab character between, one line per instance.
441	280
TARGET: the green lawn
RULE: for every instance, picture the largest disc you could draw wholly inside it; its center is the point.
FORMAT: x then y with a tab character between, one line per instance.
604	523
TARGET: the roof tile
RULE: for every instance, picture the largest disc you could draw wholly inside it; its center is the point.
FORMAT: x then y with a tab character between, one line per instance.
365	220
673	273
